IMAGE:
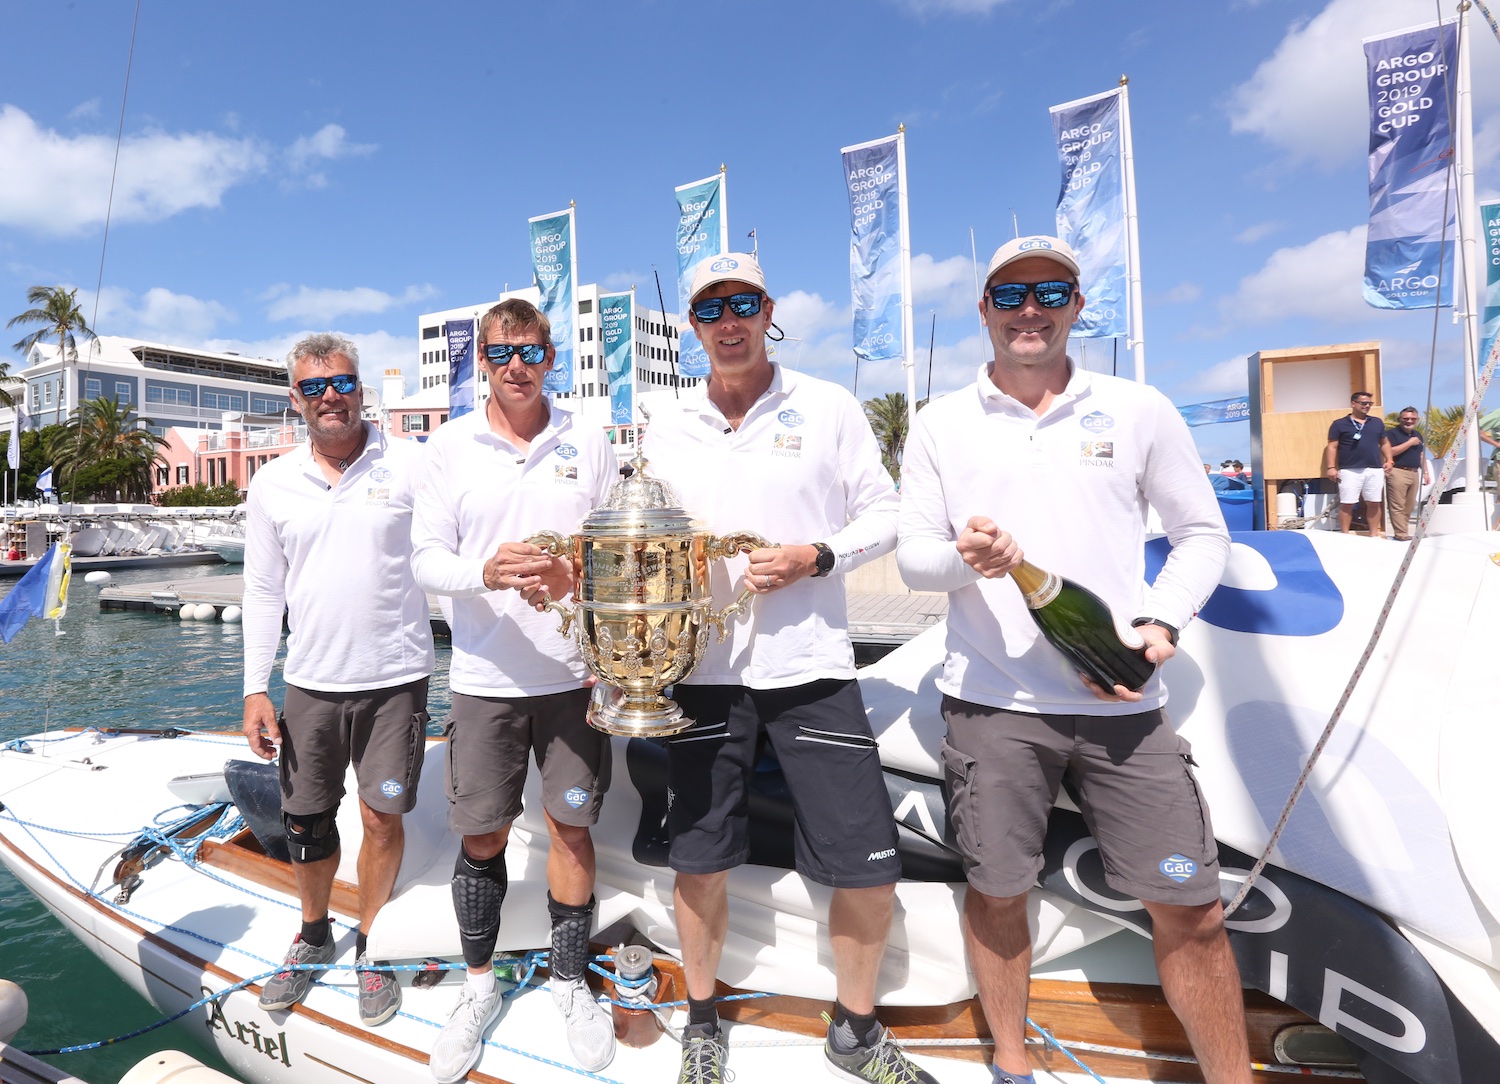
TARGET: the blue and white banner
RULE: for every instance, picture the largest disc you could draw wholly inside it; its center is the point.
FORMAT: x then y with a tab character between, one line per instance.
462	384
1489	216
1091	208
42	592
872	178
616	315
1220	410
44	481
702	232
554	266
13	449
1410	247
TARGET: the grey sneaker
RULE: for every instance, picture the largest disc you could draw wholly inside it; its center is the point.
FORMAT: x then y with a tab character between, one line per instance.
461	1041
379	994
703	1057
285	988
591	1031
883	1063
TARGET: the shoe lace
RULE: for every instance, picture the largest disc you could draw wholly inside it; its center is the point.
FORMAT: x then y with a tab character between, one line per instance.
703	1062
372	980
888	1065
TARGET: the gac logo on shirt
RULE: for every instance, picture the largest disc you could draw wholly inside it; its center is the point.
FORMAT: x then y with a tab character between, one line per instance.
1097	453
380	474
1097	422
790	418
567	451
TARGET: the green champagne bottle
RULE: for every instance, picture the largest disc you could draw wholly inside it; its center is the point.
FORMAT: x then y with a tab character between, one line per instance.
1079	624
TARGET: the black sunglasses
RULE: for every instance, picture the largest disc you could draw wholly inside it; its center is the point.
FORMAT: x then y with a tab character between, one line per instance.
1012	295
712	308
501	353
314	386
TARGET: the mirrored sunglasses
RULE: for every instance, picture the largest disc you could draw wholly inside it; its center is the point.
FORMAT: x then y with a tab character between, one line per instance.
1012	295
712	308
314	386
501	353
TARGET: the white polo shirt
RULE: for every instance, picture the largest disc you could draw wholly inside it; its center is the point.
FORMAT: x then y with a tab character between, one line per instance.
1072	486
479	490
802	467
337	560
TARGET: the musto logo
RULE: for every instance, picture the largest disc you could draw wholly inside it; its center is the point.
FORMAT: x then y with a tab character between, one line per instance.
725	264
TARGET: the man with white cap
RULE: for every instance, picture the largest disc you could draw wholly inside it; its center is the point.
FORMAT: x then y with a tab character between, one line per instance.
1041	452
792	458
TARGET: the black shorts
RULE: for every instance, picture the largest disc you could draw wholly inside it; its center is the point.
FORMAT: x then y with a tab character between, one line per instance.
382	732
846	833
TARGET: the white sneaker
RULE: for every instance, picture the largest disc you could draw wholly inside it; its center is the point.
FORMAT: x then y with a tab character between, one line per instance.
591	1032
461	1041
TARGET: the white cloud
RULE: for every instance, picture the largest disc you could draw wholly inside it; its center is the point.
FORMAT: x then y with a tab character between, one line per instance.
1321	279
950	7
944	285
84	110
1228	377
329	143
158	315
1184	293
378	351
324	305
1258	232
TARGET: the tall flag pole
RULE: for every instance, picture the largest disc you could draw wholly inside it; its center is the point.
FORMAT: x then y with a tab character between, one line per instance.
1469	247
908	334
554	266
1137	337
879	253
1092	212
702	233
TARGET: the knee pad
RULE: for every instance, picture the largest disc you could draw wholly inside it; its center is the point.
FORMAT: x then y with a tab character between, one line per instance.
570	938
478	891
313	837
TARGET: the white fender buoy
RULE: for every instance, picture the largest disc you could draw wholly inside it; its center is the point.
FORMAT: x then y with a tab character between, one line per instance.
12	1010
231	615
188	612
204	611
173	1067
98	577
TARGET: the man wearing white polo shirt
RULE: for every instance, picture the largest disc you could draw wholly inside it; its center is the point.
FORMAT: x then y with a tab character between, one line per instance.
516	465
793	459
1041	454
328	542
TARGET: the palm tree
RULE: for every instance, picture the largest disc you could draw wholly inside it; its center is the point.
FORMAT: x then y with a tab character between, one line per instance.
887	417
104	450
56	310
1438	429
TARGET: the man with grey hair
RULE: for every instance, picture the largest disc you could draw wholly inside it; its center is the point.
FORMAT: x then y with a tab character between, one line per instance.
328	542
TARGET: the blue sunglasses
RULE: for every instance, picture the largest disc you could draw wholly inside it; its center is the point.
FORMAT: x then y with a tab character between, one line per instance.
314	386
1012	295
501	353
712	308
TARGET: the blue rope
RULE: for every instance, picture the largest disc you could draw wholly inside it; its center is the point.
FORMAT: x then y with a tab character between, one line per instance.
1047	1035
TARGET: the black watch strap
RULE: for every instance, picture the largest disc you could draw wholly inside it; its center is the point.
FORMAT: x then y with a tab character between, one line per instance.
826	559
1159	623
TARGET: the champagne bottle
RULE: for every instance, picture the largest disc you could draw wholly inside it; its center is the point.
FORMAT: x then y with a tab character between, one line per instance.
1079	624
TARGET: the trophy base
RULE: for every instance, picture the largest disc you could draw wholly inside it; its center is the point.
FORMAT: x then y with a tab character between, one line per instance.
627	714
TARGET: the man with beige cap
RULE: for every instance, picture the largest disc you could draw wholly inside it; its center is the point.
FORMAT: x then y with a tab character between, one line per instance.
1040	452
792	458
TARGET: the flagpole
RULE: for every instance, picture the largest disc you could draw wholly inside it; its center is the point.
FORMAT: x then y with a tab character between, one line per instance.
723	214
1137	336
1468	241
908	355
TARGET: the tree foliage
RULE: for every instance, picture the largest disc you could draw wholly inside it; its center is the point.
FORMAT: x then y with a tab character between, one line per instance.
105	452
199	495
888	420
56	311
1438	428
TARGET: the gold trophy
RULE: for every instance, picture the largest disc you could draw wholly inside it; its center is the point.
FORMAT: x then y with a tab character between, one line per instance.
643	605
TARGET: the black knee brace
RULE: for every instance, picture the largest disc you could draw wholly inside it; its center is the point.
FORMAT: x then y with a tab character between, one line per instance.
313	837
478	891
570	937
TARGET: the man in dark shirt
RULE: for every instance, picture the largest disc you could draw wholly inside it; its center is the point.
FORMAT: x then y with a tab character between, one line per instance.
1358	459
1409	458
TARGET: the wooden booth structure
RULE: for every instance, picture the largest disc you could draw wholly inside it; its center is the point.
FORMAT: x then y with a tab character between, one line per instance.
1295	395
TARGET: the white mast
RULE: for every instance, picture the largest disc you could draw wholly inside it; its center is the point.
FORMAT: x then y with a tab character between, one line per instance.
1468	247
908	356
1136	339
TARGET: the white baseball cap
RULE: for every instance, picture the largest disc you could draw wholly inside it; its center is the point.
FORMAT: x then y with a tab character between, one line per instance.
730	267
1052	248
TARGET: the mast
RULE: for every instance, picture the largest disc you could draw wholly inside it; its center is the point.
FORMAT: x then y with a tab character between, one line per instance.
1137	336
908	353
1468	246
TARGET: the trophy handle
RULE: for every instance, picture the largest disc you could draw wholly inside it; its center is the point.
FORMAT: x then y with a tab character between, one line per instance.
727	546
558	546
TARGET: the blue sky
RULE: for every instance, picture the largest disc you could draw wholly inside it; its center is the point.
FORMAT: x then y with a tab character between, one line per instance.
296	167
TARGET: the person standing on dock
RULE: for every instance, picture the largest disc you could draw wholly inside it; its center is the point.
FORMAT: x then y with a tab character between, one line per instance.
793	458
1068	460
515	466
328	543
1408	463
1358	459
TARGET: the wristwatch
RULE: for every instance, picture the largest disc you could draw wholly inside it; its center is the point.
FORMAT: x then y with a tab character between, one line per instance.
1159	623
826	559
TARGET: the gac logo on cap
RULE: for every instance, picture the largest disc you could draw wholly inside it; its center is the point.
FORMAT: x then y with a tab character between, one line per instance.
1027	246
726	264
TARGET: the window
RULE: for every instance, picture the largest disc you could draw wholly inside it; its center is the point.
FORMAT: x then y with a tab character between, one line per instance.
182	474
155	393
259	404
92	388
36	397
220	400
414	423
122	391
431	332
162	474
46	395
442	418
585	306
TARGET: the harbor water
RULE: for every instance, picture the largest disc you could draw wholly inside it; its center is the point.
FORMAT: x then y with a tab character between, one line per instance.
113	669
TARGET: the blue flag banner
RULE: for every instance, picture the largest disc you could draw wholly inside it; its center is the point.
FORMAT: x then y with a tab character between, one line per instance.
554	261
42	592
1091	208
462	384
615	314
1220	410
701	233
872	179
1489	215
1409	250
44	481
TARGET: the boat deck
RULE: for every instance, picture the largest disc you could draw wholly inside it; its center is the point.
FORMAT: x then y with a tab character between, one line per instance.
81	565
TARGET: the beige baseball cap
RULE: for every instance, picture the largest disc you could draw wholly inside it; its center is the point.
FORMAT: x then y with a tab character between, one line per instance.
1052	248
730	267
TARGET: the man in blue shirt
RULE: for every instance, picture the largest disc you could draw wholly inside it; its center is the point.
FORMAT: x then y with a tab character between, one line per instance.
1409	458
1358	458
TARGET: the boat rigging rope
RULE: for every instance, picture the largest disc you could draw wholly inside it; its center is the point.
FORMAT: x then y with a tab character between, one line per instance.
1450	461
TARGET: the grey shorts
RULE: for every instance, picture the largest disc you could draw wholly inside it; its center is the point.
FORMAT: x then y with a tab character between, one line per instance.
382	732
490	740
846	831
1133	776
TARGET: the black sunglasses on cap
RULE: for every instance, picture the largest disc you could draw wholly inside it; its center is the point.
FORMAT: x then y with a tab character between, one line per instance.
314	386
712	308
1012	295
501	353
